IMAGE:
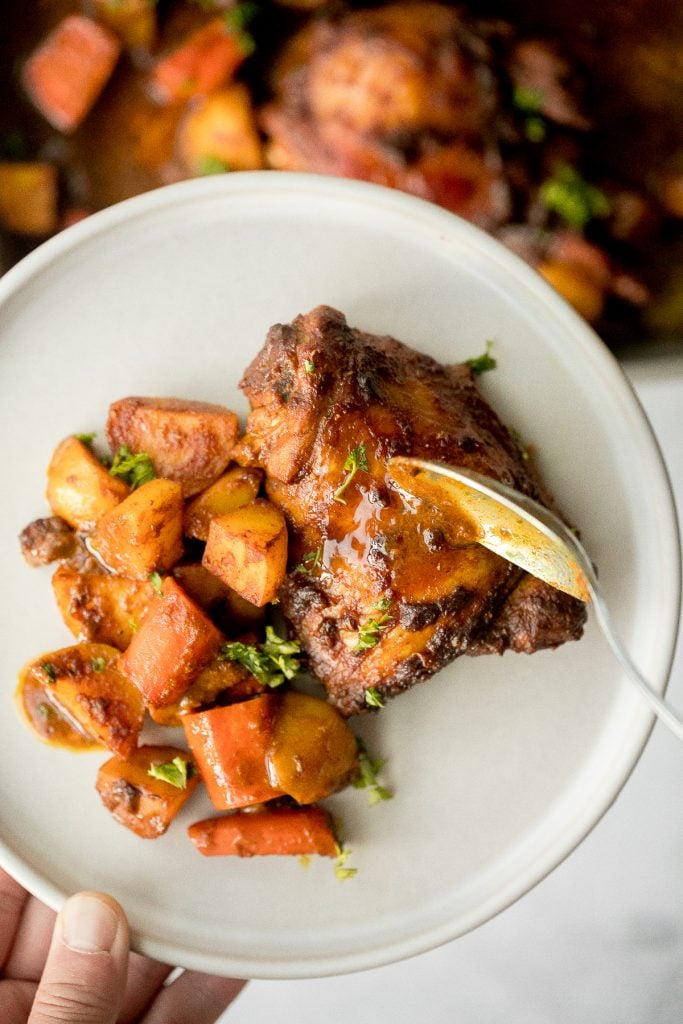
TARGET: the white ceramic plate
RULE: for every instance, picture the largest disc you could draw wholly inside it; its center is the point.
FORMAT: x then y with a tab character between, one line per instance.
500	765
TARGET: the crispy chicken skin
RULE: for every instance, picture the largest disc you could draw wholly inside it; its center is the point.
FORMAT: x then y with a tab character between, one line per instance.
397	95
380	591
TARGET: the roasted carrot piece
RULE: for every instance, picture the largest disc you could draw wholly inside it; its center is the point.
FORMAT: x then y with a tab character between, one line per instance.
227	679
28	197
66	74
230	745
174	642
283	830
207	58
145	791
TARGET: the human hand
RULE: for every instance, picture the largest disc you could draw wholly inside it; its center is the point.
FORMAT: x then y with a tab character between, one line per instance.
76	968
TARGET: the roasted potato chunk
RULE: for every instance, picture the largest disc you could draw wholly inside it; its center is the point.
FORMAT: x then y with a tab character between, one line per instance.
99	607
137	790
313	752
221	128
85	683
247	549
79	488
189	442
235	488
143	534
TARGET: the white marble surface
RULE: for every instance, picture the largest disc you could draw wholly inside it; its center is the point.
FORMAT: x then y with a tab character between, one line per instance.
600	940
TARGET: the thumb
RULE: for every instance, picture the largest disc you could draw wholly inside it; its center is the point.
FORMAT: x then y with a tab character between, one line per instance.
85	972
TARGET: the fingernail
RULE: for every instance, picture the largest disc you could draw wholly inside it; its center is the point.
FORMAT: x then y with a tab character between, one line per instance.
89	925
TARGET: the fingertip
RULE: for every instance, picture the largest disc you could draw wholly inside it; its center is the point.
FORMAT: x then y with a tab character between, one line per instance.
94	922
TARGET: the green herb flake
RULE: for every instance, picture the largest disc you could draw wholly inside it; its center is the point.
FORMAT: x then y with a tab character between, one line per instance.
238	17
534	129
373	698
528	100
369	633
341	871
483	363
208	164
175	772
356	460
368	779
271	662
86	439
309	366
98	664
572	198
155	579
44	711
134	625
311	561
49	671
136	469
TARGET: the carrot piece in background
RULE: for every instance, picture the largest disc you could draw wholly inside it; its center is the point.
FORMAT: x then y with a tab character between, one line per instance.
65	75
174	642
230	745
206	60
283	831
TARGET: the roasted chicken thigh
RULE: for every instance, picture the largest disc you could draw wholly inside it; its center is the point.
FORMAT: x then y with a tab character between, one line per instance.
381	590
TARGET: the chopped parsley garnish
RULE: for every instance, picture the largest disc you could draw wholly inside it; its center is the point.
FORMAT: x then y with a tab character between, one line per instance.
155	579
175	772
212	165
136	470
534	129
98	664
239	16
368	633
134	625
373	698
49	671
309	366
529	101
86	439
368	779
572	198
356	460
236	19
311	561
271	662
342	872
480	364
